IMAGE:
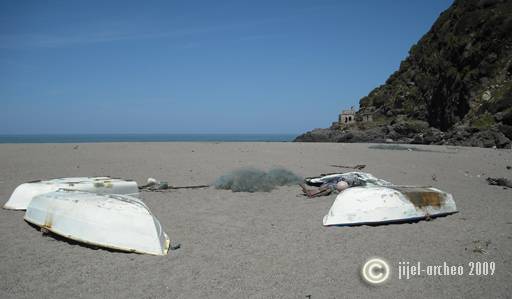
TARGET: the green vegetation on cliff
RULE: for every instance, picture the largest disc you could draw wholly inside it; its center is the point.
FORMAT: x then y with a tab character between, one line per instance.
461	69
457	79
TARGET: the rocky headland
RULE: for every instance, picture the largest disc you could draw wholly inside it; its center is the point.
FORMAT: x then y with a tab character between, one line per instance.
455	86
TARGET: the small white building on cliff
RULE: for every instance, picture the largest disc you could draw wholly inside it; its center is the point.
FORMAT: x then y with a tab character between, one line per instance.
347	117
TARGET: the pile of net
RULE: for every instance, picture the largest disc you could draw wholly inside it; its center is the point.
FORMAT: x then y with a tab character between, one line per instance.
255	180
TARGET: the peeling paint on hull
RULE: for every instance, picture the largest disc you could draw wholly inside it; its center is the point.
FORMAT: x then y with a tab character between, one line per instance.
381	202
117	222
381	205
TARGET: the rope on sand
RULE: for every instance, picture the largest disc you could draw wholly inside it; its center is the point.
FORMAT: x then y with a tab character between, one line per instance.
157	186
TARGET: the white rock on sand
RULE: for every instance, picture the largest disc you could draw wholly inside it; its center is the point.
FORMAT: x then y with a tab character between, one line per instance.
260	244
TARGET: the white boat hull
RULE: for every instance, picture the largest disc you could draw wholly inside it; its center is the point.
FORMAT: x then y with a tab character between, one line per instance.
118	222
379	205
24	193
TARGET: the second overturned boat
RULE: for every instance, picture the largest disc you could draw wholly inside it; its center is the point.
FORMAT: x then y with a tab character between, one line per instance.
118	222
24	193
377	201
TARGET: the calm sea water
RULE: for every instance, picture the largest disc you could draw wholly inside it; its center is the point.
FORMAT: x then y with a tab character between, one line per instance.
81	138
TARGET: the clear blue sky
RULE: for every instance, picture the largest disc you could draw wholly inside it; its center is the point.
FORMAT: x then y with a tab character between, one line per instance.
197	66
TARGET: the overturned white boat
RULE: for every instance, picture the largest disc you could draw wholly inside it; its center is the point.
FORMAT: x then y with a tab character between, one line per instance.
24	193
379	202
118	222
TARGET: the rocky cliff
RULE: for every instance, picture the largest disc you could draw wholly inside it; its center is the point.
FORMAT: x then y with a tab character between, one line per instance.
455	87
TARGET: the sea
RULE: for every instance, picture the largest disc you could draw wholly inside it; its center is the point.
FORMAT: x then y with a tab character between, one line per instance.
89	138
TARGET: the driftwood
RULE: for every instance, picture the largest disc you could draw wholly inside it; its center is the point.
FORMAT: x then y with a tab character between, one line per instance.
163	188
357	167
189	187
322	191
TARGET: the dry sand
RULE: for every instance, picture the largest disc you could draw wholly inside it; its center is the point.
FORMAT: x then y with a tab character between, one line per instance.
259	245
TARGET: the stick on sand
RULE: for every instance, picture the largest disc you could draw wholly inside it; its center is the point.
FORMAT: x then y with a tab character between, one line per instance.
358	167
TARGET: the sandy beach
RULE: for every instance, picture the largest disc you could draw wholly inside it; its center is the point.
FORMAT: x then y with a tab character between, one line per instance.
260	245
